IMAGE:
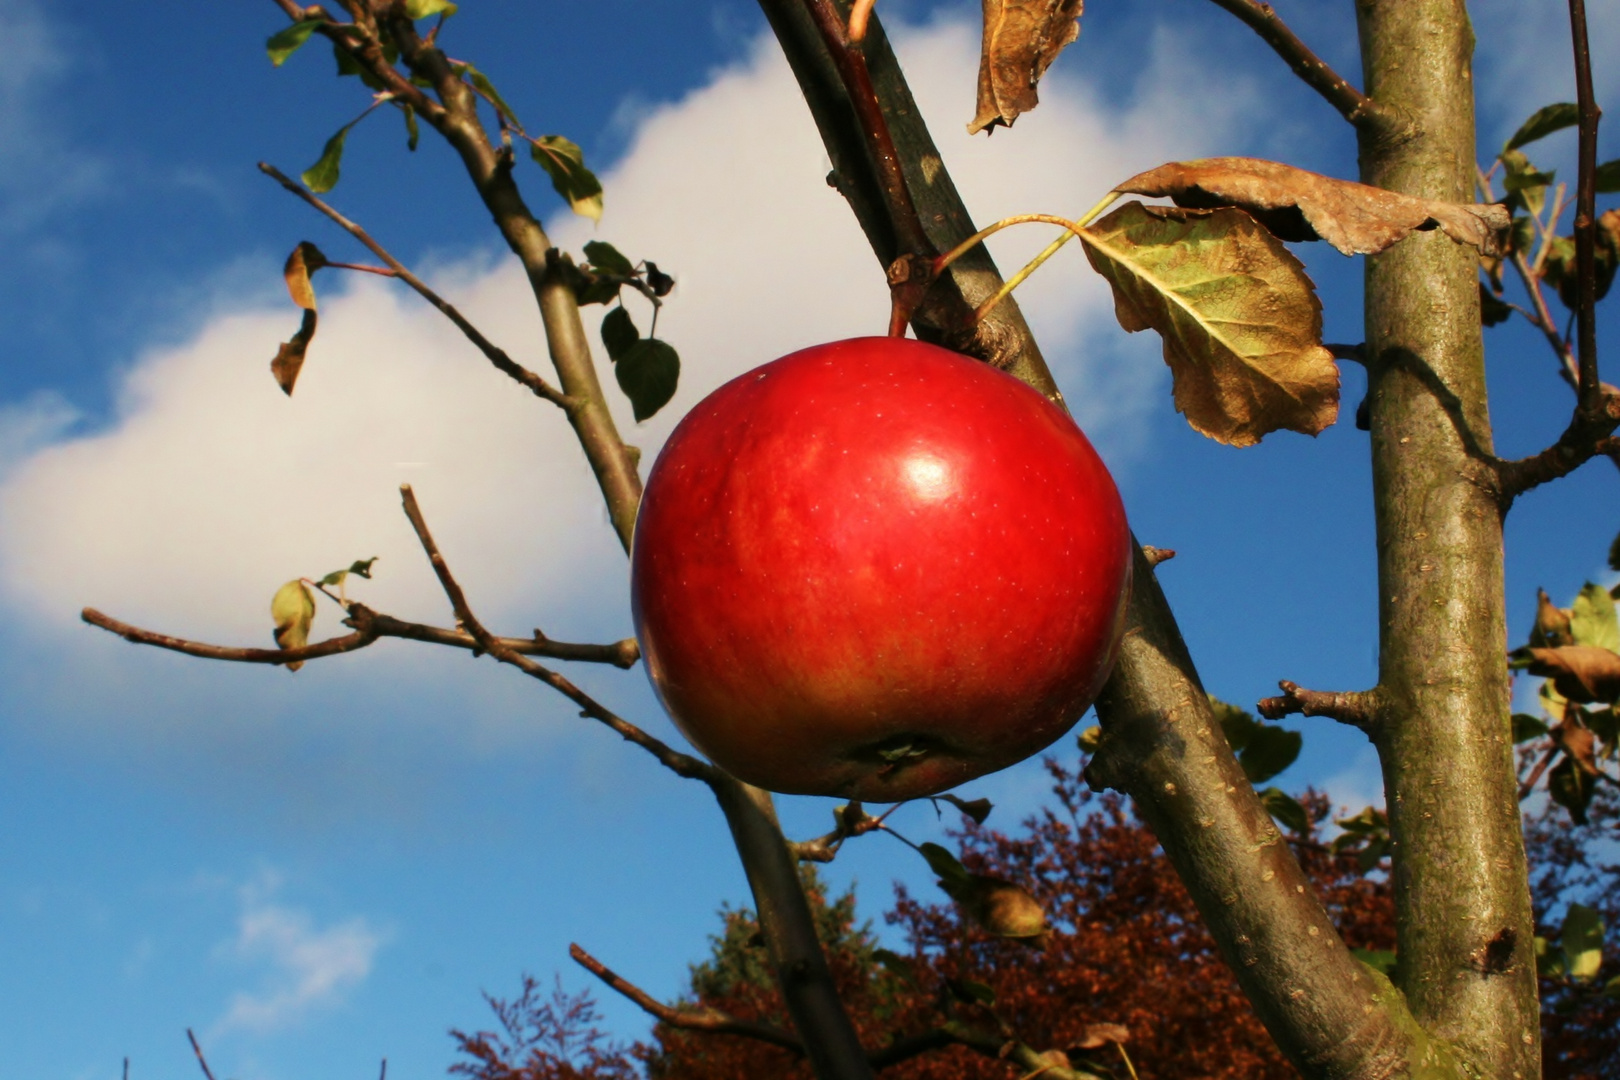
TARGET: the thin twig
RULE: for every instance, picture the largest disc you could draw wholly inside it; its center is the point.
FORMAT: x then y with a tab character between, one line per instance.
860	12
1585	211
710	1020
497	356
196	1049
1353	105
672	759
370	626
1359	708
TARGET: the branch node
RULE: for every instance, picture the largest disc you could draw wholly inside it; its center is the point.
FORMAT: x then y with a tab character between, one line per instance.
1357	708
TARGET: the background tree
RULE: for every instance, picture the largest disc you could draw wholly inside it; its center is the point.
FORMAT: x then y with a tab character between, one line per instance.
1439	713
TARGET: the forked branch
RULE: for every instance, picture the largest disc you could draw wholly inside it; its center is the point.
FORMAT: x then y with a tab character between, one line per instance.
672	759
497	356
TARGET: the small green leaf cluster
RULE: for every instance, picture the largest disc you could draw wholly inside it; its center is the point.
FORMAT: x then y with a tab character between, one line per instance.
647	368
1577	954
1264	750
292	609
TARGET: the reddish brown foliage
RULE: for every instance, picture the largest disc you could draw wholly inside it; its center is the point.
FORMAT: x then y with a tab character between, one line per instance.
1127	948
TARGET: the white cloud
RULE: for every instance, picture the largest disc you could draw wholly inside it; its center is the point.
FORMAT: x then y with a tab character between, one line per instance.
209	488
1525	59
307	967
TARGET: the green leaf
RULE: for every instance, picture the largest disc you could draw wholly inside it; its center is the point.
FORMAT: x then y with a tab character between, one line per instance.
413	134
944	865
1371	855
422	9
1612	987
1527	727
1608	179
1543	122
348	65
481	82
977	809
619	333
322	176
1240	321
648	374
1380	960
971	992
1549	963
1526	186
293	610
896	965
1592	618
564	162
362	567
1236	724
1269	752
1581	940
604	256
289	40
1286	809
1493	310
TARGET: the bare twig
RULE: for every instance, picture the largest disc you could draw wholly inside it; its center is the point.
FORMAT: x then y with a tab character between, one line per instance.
370	626
1582	441
497	356
710	1020
1352	104
672	759
196	1049
1588	114
1359	708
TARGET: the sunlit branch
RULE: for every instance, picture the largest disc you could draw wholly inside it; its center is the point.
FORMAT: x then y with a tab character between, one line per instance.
710	1020
1588	113
1352	104
672	759
370	627
497	356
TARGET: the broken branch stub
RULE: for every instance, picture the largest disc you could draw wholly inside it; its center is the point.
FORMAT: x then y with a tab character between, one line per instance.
1299	205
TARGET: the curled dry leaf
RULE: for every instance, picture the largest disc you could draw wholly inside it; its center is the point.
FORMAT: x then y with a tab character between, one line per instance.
1021	39
301	265
289	359
1580	744
293	609
1241	322
1581	673
977	809
1552	627
1299	205
1093	1036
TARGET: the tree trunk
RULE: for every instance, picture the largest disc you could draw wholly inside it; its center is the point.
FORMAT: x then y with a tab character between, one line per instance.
1464	931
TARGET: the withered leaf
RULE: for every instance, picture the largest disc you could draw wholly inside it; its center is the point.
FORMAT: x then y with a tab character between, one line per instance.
1582	673
1241	322
1021	39
1299	205
1093	1036
301	265
293	609
1552	627
1000	907
1580	744
289	359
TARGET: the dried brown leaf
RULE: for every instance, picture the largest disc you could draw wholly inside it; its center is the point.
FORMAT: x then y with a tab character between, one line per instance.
289	359
305	259
1580	744
1583	673
1002	908
1021	39
1299	205
1552	623
1241	322
1093	1036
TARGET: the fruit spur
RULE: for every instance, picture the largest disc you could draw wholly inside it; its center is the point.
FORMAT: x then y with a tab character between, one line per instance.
875	569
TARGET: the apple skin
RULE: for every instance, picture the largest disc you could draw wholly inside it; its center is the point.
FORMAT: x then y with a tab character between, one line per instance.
872	546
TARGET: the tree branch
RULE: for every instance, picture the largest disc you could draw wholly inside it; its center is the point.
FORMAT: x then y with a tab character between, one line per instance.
370	626
497	356
713	1021
1585	213
1358	708
672	759
1356	107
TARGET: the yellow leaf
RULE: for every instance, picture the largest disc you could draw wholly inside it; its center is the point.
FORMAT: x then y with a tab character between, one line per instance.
293	610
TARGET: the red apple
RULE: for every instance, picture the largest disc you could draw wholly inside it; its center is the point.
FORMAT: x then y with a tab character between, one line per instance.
875	569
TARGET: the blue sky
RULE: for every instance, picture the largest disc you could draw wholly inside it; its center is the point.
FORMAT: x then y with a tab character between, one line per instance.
318	870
